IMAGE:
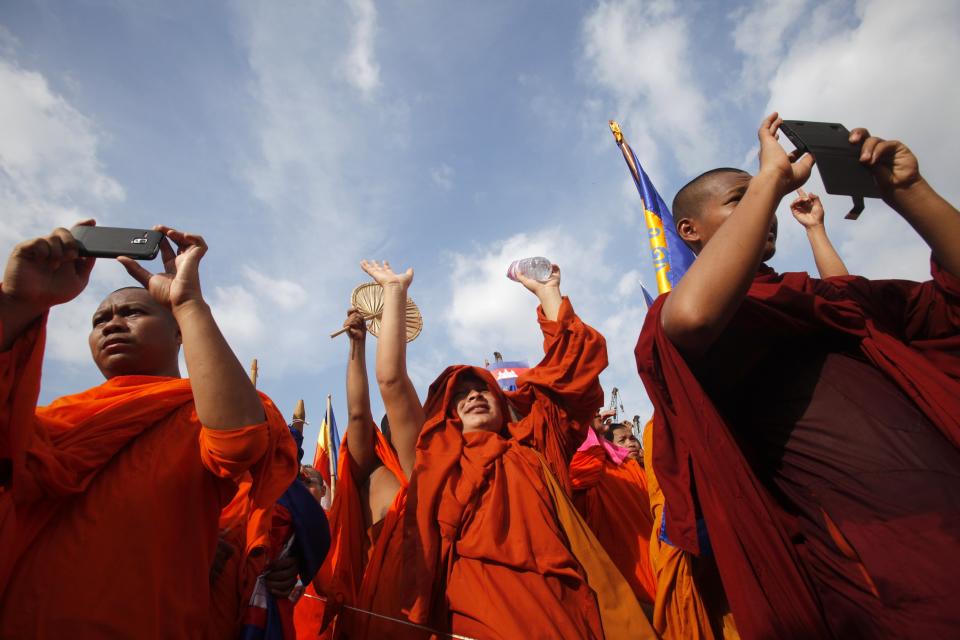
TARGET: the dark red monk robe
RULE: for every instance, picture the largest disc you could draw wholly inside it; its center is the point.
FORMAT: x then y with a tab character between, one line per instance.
822	433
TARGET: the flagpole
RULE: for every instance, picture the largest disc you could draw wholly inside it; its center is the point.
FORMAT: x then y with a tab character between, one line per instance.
330	456
658	239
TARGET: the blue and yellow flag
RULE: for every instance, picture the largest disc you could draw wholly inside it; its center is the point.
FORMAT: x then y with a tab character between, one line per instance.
671	257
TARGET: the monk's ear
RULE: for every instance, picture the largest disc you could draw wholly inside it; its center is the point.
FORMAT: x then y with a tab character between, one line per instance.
688	231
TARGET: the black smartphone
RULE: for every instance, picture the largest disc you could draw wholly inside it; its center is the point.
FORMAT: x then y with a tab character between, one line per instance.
837	159
112	242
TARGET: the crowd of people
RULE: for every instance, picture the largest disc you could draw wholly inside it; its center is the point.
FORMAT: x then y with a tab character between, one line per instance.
799	477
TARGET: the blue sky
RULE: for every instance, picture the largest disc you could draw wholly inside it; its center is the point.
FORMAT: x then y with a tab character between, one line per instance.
300	137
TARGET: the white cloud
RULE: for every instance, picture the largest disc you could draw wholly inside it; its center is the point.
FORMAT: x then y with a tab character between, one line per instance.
360	64
640	52
894	72
761	35
442	176
313	95
50	176
629	284
287	295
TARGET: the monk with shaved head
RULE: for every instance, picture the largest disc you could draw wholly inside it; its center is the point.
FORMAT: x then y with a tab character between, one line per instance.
812	425
110	498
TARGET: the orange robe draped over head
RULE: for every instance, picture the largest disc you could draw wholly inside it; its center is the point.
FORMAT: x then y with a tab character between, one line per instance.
108	524
341	578
486	550
614	502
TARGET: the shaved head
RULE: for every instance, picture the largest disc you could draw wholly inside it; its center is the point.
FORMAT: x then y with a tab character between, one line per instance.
133	334
704	204
689	201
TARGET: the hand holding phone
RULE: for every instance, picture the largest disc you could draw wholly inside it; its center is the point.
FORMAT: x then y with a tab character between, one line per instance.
179	283
47	271
838	158
113	242
892	163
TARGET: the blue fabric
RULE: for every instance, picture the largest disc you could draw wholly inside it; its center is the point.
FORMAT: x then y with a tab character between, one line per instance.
646	296
311	528
298	438
703	537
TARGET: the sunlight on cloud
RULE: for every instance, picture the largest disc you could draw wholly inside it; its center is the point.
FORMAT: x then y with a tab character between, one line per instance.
313	94
761	35
50	176
893	72
49	171
640	53
285	294
360	65
442	176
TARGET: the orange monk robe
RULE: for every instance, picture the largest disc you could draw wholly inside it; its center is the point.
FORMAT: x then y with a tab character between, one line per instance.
486	549
683	610
612	497
109	523
340	578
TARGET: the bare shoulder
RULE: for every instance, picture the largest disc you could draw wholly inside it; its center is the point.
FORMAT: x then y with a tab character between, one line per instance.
383	488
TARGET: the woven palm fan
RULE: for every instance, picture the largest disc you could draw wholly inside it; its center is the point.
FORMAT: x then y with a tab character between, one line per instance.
367	298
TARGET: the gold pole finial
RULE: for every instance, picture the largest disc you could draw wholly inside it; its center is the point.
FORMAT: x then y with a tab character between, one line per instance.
254	371
615	129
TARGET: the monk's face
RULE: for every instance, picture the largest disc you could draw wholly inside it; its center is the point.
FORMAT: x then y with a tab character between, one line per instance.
724	194
314	482
134	335
477	406
623	436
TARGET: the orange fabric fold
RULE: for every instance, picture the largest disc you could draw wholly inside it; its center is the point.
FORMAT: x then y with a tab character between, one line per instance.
681	611
342	575
613	500
116	486
620	611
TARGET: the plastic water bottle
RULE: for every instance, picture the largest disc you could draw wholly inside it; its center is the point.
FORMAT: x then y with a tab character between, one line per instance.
538	268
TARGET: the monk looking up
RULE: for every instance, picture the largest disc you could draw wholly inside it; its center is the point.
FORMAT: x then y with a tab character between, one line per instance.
108	517
490	538
621	434
813	423
610	491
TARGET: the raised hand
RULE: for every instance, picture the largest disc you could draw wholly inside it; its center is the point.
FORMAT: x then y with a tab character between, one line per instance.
893	164
536	286
384	274
807	209
356	325
47	271
790	171
547	292
180	281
